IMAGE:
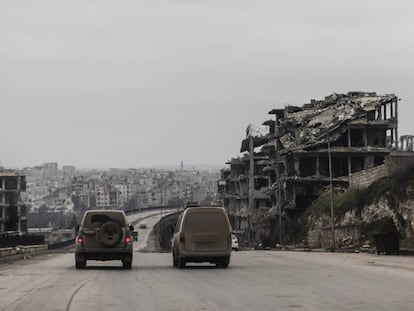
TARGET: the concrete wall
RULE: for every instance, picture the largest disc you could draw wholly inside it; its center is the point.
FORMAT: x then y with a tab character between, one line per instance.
365	178
9	252
323	238
396	161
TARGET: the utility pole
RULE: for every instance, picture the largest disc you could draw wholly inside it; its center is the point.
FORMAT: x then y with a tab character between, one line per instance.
331	195
251	184
278	196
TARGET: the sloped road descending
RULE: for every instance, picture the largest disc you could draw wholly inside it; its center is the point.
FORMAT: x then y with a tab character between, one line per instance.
254	281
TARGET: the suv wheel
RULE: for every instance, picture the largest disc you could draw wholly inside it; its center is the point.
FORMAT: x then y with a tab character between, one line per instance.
127	262
175	262
181	262
80	262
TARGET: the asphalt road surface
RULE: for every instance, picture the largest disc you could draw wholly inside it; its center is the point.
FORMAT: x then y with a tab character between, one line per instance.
150	219
259	280
255	280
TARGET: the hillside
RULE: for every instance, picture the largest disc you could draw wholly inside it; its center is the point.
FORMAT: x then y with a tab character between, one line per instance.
387	205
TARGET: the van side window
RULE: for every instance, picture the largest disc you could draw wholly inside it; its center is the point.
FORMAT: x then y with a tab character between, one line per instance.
178	225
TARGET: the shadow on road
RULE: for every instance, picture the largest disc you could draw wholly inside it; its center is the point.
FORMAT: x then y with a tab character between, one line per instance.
104	268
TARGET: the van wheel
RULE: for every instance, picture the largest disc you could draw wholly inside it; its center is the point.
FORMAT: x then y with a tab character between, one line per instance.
127	262
224	263
181	262
80	262
175	262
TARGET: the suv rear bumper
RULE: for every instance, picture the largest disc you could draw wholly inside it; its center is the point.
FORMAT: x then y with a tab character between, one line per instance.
104	254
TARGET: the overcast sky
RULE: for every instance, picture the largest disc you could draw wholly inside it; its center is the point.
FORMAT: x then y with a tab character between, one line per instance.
140	83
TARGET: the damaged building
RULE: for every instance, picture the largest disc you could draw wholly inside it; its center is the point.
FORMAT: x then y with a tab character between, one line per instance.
305	149
12	209
234	188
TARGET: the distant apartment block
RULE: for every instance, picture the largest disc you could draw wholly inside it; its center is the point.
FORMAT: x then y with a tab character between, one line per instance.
124	193
50	170
107	197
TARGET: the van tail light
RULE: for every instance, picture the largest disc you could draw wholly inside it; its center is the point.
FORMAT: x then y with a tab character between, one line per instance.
79	240
128	240
182	239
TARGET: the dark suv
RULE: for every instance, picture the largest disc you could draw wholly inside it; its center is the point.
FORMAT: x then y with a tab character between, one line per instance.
104	235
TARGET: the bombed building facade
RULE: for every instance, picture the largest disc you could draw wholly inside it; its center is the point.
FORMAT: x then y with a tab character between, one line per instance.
12	209
304	150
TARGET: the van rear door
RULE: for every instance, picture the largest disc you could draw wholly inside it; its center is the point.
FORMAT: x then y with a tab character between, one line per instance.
206	231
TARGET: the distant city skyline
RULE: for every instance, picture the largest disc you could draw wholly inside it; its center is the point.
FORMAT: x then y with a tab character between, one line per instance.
150	83
158	167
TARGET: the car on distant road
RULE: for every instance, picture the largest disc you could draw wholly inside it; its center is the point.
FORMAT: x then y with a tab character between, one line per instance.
104	235
143	225
202	234
234	243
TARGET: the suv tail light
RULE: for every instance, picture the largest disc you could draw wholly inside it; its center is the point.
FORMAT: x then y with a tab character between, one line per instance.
79	240
128	239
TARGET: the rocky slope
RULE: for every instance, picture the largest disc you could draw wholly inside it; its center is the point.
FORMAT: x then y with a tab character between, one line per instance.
385	206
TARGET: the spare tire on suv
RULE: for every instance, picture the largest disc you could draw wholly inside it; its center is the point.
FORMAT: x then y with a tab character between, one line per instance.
104	235
110	233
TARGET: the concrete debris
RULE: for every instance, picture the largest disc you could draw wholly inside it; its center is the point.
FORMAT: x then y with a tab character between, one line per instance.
312	123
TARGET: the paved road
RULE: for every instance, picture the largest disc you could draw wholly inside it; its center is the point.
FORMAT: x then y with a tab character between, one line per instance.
258	280
150	218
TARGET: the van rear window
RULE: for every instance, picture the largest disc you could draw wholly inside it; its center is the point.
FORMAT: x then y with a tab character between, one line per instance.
205	222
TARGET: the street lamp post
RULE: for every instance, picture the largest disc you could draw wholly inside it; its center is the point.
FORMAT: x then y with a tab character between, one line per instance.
278	196
251	186
331	194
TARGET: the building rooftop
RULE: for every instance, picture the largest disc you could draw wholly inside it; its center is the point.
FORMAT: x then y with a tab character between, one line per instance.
312	123
9	174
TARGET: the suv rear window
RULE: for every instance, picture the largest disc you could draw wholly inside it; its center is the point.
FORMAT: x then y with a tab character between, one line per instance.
93	220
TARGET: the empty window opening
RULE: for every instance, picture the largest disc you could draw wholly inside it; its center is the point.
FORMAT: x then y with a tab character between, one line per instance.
342	141
371	115
259	170
376	138
357	164
388	111
262	203
379	160
307	166
357	138
340	167
261	183
324	166
11	184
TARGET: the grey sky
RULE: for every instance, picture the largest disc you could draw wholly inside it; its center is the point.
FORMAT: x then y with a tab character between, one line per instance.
139	83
